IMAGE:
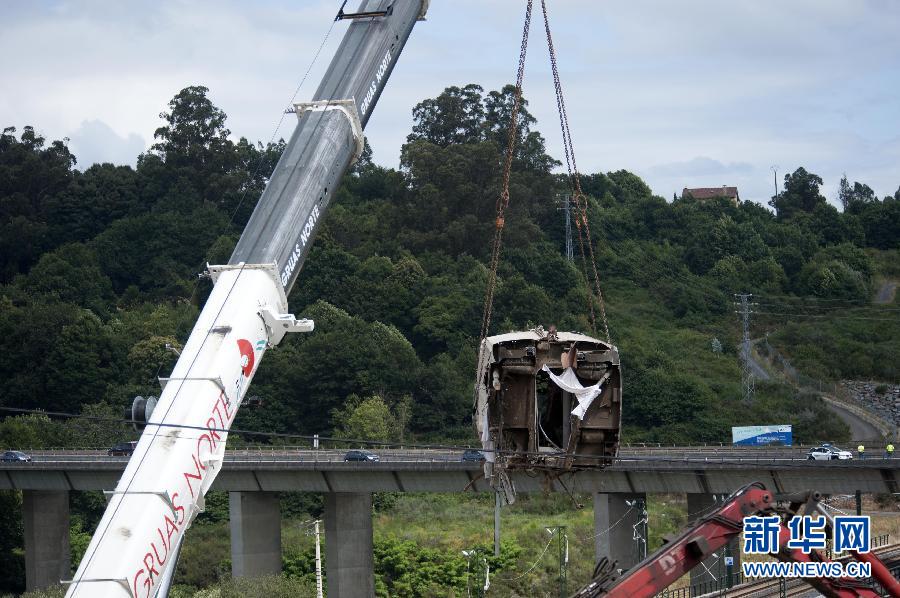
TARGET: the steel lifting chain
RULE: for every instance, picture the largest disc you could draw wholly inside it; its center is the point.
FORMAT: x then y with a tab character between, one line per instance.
581	220
502	203
581	204
503	199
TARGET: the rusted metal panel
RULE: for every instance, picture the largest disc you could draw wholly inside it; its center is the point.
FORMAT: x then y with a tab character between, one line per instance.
527	421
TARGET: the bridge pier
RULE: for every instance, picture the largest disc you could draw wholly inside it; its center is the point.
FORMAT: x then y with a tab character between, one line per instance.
255	533
713	568
614	522
349	560
45	515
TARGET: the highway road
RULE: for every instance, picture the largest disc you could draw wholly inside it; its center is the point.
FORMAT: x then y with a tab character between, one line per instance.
700	453
704	470
627	454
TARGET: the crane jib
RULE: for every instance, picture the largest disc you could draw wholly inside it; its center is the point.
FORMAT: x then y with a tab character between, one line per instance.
181	449
325	142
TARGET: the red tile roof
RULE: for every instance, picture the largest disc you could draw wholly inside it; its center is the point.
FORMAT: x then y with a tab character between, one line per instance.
711	192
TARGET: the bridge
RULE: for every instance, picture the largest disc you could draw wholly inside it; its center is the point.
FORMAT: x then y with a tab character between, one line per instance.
254	477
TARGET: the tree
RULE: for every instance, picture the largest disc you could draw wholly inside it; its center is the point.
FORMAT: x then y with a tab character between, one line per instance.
366	419
463	116
71	274
530	151
456	116
854	199
881	223
194	162
194	132
31	175
12	557
97	197
801	194
81	365
845	193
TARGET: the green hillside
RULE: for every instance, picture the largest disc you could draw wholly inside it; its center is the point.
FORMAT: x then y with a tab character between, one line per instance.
98	273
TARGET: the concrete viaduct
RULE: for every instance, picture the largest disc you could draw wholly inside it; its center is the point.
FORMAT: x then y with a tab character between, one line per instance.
254	478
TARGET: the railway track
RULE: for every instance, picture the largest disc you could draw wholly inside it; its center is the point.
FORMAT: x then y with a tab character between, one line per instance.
794	588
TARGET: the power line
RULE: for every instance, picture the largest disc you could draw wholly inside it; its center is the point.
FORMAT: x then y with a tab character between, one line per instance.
841	317
823	299
567	209
611	527
747	377
533	565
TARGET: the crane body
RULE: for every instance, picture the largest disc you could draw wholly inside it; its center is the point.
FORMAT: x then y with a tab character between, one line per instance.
181	449
695	544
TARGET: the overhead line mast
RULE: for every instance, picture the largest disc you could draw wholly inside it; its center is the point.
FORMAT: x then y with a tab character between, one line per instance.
163	487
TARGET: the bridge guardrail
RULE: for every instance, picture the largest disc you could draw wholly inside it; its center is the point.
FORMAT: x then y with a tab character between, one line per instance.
627	454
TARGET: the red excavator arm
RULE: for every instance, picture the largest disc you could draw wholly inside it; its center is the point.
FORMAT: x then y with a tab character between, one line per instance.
713	532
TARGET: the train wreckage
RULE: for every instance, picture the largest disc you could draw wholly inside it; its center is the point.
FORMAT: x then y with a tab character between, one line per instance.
547	400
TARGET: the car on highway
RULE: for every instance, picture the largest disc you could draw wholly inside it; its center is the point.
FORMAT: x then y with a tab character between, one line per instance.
827	452
15	457
122	449
472	455
361	455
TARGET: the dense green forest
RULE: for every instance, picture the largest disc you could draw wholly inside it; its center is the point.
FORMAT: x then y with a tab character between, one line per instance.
99	273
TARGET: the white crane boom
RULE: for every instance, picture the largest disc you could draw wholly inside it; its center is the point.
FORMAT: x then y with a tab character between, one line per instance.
182	447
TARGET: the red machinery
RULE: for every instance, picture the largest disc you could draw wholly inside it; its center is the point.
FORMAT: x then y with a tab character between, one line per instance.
713	532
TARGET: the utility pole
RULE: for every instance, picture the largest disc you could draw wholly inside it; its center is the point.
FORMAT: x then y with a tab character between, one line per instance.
318	563
639	529
497	523
562	542
567	209
747	379
479	589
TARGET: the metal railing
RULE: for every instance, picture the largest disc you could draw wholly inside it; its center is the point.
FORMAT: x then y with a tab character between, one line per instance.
628	454
736	584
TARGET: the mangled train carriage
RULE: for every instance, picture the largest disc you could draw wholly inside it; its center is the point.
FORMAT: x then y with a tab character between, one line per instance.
548	400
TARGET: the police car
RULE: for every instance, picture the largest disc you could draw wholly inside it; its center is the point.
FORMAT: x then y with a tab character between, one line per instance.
827	452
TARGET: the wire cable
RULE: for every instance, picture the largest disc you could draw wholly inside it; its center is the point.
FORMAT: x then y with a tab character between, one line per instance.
531	568
611	527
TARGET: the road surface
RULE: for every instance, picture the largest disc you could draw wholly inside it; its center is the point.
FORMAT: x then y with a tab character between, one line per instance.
860	429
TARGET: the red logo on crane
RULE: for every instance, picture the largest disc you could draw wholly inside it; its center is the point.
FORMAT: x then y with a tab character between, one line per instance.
247	358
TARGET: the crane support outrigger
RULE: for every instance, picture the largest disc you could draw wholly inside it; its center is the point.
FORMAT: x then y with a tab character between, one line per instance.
181	449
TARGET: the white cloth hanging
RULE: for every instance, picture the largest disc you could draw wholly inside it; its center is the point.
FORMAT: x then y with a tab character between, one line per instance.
569	382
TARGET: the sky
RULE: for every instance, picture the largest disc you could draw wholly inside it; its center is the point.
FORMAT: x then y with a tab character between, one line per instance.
685	93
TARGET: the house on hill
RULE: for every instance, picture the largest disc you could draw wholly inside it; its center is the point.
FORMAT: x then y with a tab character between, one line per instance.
705	193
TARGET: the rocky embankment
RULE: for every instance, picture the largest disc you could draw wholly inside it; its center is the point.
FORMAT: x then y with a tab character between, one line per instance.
883	399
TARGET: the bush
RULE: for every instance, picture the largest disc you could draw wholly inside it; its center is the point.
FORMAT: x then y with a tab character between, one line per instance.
274	586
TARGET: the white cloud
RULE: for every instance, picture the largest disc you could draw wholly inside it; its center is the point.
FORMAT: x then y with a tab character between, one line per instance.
649	84
701	166
95	142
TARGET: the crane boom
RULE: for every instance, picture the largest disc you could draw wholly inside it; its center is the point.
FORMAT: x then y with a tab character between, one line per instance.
182	446
326	139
